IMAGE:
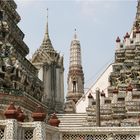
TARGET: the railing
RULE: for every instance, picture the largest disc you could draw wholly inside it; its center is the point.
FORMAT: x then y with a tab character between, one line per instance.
12	130
101	133
98	137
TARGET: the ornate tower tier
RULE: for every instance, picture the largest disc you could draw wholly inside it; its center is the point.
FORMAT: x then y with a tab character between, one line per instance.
10	18
121	107
18	77
75	75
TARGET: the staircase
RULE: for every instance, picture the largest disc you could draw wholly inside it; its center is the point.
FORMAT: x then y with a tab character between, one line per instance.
72	120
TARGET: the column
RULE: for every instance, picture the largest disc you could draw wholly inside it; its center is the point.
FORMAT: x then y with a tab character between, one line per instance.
62	85
115	97
11	129
102	102
39	131
58	83
47	81
97	107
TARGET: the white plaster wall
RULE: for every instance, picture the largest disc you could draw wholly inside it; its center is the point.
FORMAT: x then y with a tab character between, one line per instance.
101	83
40	74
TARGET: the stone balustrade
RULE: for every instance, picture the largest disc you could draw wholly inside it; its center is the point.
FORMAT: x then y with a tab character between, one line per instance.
100	133
11	129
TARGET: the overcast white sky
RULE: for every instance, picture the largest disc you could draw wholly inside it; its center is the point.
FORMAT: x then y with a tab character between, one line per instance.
98	23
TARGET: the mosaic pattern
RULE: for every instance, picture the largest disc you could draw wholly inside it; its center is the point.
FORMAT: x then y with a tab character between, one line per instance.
97	137
125	137
1	133
84	137
28	135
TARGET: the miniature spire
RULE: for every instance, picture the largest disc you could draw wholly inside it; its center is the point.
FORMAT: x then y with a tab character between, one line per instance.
127	35
118	42
118	39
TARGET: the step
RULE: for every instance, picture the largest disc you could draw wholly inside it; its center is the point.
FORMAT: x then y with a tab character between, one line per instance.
72	120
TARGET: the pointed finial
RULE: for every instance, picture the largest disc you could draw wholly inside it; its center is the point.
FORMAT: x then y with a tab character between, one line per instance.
75	35
47	32
127	35
47	13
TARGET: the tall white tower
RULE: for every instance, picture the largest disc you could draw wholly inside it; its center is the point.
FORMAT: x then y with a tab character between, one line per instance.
75	75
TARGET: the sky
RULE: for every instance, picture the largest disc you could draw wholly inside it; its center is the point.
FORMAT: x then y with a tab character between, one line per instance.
98	23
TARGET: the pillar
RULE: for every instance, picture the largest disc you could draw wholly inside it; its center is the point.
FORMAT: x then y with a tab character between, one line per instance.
47	82
90	100
39	131
98	108
11	129
62	86
129	93
102	98
115	96
58	87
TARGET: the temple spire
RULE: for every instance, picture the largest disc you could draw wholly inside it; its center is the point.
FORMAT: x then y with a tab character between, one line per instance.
75	74
46	41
